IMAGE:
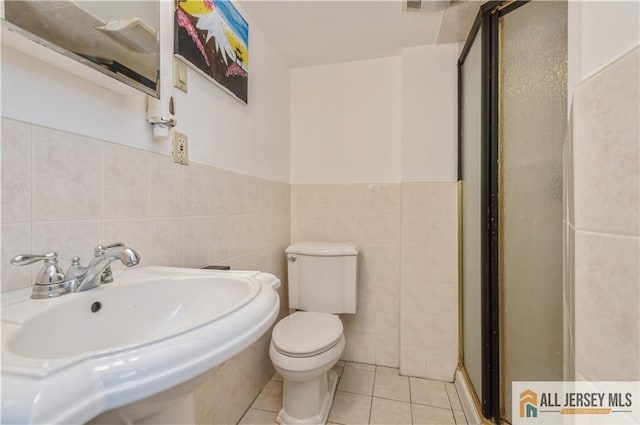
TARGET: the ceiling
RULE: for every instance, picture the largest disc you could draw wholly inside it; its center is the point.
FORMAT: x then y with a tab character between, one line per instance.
309	33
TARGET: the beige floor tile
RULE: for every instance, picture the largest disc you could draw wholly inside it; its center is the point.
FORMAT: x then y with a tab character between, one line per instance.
350	408
389	384
258	417
270	398
360	366
459	417
387	370
454	399
390	412
430	393
340	363
337	368
355	380
427	415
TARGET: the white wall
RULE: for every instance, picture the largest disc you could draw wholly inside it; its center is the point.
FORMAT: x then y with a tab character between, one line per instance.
345	122
376	121
429	113
250	139
599	32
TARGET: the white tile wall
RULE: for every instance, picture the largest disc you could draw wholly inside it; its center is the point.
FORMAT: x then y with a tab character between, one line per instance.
16	238
602	221
369	215
606	149
607	314
67	176
16	172
429	272
85	191
127	172
407	299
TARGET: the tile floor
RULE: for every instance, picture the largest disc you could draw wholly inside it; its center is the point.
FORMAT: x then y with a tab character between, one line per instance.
369	394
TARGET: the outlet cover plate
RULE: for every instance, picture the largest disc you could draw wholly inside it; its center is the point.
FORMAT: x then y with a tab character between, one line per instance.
180	148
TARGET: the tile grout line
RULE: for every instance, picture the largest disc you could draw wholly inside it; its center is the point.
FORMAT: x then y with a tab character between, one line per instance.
32	172
392	399
373	390
410	399
451	404
449	398
253	402
102	186
336	393
262	410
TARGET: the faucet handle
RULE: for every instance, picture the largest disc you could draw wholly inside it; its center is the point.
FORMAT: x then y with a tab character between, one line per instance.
76	269
26	259
51	273
99	250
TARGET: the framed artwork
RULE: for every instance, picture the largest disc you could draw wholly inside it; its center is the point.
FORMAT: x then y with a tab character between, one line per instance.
212	37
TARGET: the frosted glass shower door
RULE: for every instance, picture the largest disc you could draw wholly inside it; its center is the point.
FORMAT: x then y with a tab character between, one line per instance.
470	150
533	120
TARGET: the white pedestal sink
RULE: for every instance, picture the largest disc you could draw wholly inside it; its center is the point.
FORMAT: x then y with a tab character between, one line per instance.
137	347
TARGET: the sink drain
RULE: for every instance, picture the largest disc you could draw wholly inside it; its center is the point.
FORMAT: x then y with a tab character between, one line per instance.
96	306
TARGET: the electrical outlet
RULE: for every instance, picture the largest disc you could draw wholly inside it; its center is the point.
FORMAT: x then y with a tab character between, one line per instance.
180	148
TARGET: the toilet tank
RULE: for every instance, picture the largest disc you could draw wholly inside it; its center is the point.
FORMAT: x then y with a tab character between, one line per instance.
323	276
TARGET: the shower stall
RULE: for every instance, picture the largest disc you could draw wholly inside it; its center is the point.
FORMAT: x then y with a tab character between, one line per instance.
512	80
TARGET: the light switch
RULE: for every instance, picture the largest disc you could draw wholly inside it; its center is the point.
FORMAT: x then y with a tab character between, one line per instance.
180	75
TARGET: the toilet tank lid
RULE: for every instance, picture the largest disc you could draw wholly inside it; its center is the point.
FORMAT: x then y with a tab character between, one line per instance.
327	249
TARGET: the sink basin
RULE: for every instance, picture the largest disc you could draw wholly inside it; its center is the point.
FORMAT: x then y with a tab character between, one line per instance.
153	329
126	315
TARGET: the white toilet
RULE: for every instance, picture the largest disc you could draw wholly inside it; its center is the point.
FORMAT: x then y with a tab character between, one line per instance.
306	344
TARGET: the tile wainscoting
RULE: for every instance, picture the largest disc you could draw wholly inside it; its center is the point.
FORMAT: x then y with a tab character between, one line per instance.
429	272
67	193
368	215
407	289
601	225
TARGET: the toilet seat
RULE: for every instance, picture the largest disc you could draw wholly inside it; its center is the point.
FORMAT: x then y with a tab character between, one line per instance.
306	334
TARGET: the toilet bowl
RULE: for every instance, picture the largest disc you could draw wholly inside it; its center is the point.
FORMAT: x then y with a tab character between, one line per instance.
304	347
306	344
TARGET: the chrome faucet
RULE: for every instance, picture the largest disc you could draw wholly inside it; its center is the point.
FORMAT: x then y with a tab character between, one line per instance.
98	270
98	251
52	282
